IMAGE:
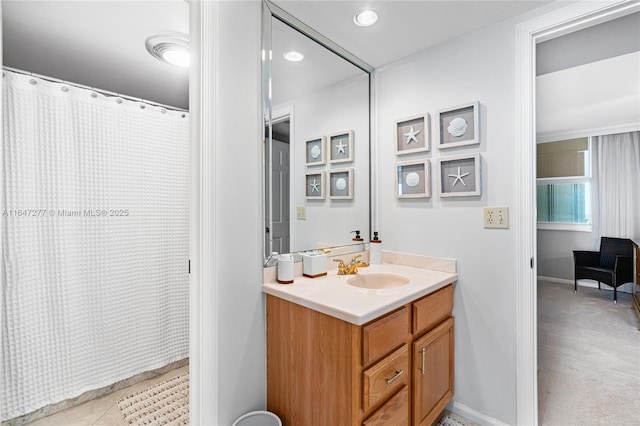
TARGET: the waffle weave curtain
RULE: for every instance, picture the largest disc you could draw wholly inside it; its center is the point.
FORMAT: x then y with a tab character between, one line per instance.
95	241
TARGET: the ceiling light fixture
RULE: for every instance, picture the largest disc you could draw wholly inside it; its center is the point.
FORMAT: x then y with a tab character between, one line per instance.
171	49
293	56
365	17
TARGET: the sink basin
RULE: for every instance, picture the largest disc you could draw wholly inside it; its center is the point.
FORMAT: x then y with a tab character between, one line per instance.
377	280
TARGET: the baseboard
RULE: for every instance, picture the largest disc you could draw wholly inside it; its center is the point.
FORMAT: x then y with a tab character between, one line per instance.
626	288
473	415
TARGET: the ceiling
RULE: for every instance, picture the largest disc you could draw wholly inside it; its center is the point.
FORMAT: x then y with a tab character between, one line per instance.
101	43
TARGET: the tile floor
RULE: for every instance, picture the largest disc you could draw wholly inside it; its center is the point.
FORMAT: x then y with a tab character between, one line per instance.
103	411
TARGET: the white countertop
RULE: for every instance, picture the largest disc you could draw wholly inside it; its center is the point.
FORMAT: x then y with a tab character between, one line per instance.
332	295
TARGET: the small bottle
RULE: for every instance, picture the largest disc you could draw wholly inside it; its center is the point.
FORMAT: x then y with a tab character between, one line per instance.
375	250
285	269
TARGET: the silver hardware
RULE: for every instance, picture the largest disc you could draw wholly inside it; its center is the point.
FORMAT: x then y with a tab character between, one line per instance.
423	351
395	377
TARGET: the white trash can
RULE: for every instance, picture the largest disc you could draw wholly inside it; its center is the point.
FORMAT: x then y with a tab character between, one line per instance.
258	418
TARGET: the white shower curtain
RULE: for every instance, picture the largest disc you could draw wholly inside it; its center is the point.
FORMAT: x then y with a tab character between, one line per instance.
619	184
95	241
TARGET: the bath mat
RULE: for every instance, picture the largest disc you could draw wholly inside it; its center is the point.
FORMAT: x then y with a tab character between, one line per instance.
166	403
447	420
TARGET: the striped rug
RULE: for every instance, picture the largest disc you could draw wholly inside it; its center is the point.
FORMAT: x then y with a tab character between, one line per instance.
165	403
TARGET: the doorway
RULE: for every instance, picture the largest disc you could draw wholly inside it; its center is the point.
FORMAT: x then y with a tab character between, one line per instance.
554	24
280	185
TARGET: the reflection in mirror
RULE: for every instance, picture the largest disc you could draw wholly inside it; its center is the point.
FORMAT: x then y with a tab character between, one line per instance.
317	146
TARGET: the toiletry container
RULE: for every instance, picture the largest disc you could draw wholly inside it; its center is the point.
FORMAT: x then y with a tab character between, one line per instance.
314	264
285	269
375	250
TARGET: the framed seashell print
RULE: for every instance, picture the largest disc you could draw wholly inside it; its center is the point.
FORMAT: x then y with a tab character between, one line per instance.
459	126
341	184
413	179
315	151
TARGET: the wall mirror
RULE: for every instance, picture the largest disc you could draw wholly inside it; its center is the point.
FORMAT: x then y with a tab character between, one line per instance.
316	146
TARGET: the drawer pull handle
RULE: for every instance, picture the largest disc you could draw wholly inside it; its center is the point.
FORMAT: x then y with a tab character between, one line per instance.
423	351
395	377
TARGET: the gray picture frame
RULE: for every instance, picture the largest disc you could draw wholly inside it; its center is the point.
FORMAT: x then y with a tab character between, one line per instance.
313	147
459	125
460	176
413	134
315	185
413	179
340	184
340	147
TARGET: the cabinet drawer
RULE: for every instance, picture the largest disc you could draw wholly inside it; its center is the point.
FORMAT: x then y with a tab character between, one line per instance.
386	377
432	309
383	335
395	412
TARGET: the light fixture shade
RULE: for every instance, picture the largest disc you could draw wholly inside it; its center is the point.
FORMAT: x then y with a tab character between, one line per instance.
364	18
171	49
293	56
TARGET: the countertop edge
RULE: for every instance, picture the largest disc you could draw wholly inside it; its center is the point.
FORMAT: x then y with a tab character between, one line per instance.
369	316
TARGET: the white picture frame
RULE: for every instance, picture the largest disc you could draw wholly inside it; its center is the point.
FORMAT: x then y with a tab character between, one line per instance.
315	185
459	125
340	147
413	134
413	179
340	184
460	176
315	151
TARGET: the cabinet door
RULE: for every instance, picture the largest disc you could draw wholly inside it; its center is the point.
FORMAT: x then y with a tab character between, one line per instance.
432	373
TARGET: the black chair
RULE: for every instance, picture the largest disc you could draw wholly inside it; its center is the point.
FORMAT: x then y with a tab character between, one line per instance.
612	265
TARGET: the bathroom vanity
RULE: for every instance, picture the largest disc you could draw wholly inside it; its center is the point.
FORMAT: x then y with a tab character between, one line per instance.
340	354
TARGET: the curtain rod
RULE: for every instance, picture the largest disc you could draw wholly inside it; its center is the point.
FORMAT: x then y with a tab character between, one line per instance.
101	91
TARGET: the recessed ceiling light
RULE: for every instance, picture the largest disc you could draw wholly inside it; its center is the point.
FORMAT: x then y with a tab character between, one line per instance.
293	56
365	17
171	49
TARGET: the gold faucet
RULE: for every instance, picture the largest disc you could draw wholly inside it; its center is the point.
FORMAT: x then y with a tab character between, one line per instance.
352	268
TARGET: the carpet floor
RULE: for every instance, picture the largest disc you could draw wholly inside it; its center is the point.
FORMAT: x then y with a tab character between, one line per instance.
588	357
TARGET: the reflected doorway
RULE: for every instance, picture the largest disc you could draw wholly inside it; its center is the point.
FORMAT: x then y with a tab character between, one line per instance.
280	192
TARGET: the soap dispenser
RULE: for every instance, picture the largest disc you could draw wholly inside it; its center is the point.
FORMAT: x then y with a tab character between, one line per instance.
375	250
357	237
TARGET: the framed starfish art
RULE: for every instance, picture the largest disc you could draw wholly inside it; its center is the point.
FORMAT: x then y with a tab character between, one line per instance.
341	147
314	186
459	176
413	134
459	126
315	151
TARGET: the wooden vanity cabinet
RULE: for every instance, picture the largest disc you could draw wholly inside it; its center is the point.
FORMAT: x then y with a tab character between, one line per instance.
395	370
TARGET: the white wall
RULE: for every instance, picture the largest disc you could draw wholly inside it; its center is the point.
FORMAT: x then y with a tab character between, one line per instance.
232	351
478	66
340	107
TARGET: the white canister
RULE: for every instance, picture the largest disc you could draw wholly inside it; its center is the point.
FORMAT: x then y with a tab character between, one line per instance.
285	269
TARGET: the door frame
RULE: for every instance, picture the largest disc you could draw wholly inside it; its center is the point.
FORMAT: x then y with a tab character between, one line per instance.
565	20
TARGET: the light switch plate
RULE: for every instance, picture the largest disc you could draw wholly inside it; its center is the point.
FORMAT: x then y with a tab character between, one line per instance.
301	213
496	217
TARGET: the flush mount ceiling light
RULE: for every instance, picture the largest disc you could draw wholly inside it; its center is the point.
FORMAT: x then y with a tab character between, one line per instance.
365	17
171	49
293	56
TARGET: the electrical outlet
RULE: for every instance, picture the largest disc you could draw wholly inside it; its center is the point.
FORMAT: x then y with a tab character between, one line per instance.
301	213
496	217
